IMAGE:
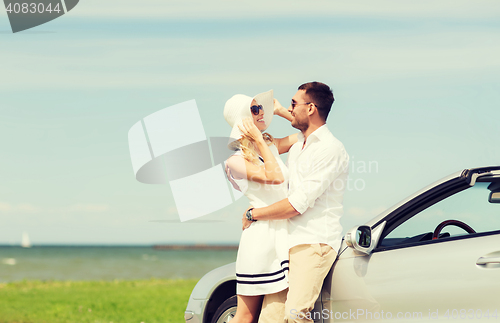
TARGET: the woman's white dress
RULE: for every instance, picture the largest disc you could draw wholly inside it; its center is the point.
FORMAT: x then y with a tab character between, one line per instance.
262	260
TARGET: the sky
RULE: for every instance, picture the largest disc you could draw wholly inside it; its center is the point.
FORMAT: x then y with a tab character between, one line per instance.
416	91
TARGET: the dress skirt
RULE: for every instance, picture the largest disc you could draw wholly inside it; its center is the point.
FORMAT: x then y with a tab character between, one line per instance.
262	261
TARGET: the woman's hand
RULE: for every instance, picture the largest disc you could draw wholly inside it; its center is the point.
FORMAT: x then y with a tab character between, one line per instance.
251	130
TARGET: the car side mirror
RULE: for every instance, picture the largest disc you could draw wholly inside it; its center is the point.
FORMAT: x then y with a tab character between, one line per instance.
360	239
494	197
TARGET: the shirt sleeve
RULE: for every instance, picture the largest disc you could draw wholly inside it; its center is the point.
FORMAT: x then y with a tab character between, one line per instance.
317	173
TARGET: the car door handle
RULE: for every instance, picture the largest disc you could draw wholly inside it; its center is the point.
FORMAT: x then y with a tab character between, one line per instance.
488	260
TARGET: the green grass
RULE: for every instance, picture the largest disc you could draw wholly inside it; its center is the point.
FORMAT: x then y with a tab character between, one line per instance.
148	301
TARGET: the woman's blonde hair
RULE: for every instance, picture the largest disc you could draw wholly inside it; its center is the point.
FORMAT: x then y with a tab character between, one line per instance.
247	147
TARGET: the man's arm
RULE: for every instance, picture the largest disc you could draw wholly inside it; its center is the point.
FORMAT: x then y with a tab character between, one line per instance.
318	174
323	168
277	211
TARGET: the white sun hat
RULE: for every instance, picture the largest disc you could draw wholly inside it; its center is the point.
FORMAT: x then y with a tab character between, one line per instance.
238	107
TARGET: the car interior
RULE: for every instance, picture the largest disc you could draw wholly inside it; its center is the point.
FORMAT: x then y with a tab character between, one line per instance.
471	211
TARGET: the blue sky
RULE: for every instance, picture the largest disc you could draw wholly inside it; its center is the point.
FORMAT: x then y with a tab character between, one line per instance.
416	87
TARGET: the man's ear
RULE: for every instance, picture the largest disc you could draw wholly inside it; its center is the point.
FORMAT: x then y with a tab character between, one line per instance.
312	109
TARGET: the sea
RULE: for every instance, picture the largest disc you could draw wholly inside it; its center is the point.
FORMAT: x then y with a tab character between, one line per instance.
108	263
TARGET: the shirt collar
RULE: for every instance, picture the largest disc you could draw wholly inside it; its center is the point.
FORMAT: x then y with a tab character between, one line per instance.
315	135
319	133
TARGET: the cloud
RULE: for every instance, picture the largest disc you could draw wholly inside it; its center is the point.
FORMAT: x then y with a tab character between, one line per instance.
379	209
356	211
158	63
226	9
362	213
172	210
25	208
5	207
18	208
94	208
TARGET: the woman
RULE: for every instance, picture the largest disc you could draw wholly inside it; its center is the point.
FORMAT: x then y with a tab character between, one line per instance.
257	170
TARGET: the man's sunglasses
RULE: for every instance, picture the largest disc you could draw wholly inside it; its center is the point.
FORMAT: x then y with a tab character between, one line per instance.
256	108
294	104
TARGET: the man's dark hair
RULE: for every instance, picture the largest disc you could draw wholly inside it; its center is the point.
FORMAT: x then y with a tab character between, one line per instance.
321	95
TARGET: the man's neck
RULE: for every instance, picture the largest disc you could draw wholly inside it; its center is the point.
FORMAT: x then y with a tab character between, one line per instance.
310	130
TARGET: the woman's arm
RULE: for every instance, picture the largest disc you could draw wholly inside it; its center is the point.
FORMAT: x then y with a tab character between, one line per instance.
241	168
284	144
281	111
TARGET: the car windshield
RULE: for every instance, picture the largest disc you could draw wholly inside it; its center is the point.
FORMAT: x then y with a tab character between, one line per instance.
470	207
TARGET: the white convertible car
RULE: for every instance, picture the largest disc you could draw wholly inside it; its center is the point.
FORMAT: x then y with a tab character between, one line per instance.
435	255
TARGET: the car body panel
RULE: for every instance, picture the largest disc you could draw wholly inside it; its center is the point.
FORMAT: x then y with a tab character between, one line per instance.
415	280
204	289
211	280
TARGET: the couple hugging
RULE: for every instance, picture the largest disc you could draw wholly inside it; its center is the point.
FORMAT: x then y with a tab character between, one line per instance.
292	232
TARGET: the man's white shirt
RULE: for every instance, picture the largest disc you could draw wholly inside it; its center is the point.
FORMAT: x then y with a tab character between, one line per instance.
318	178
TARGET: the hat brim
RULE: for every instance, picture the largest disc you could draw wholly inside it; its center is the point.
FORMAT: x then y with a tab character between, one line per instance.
266	99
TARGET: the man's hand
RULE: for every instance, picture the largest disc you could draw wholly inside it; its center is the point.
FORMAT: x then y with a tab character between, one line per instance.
244	221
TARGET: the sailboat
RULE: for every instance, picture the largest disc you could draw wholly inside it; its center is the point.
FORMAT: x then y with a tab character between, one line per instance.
25	241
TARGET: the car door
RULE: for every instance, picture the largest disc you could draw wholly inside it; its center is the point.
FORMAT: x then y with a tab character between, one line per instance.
410	277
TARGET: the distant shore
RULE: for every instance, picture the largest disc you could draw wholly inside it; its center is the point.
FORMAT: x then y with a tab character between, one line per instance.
162	261
196	247
158	246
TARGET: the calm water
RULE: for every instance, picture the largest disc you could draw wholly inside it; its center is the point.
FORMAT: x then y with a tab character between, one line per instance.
107	263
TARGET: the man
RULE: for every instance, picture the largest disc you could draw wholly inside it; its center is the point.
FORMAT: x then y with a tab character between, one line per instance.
318	166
